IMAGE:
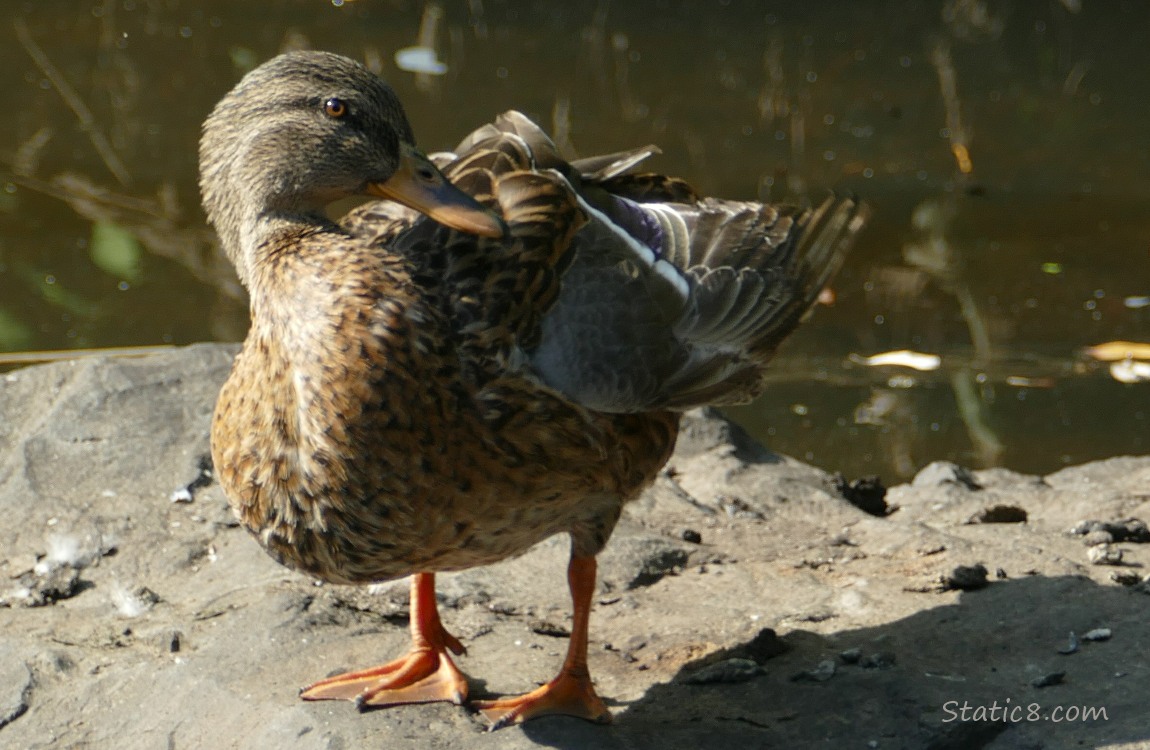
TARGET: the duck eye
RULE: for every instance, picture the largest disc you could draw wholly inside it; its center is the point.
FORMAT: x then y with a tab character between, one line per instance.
335	107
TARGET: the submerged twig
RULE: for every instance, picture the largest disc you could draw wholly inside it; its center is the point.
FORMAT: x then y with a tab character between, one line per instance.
28	155
561	125
935	256
84	115
428	39
773	102
478	19
154	222
948	85
629	107
1074	77
593	51
972	410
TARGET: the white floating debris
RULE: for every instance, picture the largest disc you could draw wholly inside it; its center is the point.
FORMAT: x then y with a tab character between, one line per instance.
1112	351
1021	381
1137	302
1098	634
420	60
901	358
1130	371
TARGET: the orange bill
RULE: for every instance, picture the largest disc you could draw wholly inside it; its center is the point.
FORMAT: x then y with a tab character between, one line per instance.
419	184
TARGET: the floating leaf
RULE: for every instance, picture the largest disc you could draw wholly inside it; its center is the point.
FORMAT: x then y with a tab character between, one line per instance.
1113	351
244	58
14	334
115	251
901	358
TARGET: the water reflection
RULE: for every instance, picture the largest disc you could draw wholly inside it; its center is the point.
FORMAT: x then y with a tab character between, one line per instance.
1002	149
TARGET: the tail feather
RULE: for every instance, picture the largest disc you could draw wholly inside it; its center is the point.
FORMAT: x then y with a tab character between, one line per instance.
608	166
714	298
759	271
827	237
738	234
750	282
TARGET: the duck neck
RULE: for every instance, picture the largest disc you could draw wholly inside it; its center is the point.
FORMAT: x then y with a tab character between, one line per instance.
286	258
260	216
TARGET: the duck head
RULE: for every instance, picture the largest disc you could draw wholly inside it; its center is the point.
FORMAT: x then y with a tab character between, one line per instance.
308	128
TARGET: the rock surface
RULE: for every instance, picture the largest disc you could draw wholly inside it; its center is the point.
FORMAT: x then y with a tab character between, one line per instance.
160	624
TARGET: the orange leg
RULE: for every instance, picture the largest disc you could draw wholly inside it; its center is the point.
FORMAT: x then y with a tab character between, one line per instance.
571	692
425	674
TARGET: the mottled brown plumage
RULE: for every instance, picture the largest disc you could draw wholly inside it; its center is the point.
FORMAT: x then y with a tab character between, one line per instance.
412	398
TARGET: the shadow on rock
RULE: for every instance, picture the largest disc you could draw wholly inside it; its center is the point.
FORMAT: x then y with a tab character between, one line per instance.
947	678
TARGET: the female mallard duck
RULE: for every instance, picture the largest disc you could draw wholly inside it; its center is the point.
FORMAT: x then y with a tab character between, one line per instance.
425	394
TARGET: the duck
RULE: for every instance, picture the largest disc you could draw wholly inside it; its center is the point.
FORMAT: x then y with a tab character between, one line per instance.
493	350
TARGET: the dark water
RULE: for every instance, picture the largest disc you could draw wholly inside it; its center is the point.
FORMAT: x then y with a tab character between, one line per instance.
1042	248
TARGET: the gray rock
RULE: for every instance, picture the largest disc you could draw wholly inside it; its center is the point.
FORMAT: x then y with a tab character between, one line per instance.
728	670
943	473
638	561
966	578
1104	554
15	685
822	672
93	450
1048	680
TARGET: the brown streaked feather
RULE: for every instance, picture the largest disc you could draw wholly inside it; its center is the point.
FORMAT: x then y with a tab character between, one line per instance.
606	328
379	221
650	187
